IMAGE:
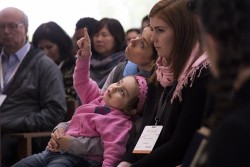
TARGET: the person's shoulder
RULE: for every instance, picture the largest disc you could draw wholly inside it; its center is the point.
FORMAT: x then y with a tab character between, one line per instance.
121	66
41	59
118	73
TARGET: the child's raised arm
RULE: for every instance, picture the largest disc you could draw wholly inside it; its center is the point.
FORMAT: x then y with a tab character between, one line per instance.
85	45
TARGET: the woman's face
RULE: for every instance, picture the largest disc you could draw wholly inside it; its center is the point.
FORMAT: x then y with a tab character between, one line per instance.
104	42
51	49
119	94
140	49
163	37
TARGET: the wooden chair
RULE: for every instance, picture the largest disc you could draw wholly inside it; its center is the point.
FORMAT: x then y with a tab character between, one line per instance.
25	139
25	142
0	147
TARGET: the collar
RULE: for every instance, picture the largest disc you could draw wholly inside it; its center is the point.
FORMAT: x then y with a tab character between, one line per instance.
20	53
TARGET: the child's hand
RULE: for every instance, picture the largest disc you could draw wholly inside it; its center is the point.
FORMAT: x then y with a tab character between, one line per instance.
85	45
64	143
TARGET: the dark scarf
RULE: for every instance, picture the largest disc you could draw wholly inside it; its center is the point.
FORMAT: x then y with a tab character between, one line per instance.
100	68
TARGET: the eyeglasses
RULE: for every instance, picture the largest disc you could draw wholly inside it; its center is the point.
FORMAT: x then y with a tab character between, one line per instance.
10	26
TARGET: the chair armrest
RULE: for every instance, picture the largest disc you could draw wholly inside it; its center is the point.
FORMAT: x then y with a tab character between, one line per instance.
25	142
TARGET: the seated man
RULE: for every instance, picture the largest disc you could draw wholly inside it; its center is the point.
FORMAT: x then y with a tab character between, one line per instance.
32	94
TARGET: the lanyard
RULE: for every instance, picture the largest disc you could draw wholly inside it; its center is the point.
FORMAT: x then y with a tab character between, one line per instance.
1	75
163	102
61	64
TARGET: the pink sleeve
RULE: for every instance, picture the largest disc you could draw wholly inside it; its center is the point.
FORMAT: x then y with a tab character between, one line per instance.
86	88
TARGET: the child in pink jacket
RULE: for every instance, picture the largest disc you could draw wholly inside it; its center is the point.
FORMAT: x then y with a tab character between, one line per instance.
102	114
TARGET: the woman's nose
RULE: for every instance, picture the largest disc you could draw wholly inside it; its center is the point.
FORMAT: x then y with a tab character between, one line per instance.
153	37
133	41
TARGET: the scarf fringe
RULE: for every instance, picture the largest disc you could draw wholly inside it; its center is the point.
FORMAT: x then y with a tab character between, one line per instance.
189	77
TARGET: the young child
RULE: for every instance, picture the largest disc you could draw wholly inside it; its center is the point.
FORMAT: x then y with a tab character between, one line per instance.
104	114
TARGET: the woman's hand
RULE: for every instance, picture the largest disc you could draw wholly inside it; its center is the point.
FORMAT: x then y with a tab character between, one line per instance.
59	132
53	144
85	45
64	143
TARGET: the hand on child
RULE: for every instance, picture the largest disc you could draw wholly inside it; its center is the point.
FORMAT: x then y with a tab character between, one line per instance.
59	132
53	142
85	45
64	143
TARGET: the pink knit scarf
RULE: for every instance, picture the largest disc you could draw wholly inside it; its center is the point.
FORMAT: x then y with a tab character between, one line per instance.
165	76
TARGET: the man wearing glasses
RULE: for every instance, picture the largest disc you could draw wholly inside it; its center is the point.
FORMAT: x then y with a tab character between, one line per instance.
32	94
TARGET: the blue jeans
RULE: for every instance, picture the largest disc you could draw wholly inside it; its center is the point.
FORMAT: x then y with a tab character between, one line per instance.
52	159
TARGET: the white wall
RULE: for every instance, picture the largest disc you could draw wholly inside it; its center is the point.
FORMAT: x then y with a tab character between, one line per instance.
67	12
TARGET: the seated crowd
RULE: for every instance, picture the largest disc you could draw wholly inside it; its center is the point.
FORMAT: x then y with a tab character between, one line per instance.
173	92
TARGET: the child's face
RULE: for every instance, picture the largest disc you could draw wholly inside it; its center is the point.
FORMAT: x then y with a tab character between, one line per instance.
117	95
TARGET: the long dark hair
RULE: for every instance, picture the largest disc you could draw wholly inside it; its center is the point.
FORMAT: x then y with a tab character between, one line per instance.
116	30
227	21
53	32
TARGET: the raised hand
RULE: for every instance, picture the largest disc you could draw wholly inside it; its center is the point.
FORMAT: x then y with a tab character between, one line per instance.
85	45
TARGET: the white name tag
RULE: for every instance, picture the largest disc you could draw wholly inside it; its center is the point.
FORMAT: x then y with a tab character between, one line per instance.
147	140
2	98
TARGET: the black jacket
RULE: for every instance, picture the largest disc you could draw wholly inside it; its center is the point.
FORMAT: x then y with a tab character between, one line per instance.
230	142
180	120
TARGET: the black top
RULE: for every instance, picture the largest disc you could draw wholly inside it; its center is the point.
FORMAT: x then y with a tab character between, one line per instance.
180	120
230	141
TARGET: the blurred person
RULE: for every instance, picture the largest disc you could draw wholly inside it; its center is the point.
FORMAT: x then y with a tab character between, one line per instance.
57	44
141	55
32	91
144	22
131	33
87	22
115	107
108	42
176	101
226	32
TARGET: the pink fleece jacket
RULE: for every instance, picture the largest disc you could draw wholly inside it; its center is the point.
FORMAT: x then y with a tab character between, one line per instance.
93	118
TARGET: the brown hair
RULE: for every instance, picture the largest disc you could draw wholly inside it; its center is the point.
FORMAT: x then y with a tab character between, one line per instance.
132	104
186	30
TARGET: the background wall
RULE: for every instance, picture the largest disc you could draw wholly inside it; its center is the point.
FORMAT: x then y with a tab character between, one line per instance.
67	12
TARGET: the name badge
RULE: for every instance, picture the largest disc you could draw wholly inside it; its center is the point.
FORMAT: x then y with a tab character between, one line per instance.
2	98
147	139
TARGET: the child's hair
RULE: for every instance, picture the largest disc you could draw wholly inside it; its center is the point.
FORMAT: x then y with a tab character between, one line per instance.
138	102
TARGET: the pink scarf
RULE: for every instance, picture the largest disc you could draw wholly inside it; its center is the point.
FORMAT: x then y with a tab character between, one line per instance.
165	76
